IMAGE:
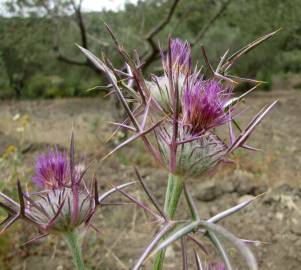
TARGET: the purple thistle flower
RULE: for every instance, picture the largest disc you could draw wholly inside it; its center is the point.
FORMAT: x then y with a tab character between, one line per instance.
65	193
204	105
52	170
180	55
160	89
63	204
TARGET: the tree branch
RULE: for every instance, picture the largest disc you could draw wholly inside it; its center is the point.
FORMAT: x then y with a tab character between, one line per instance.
81	24
153	55
150	57
206	28
67	60
83	34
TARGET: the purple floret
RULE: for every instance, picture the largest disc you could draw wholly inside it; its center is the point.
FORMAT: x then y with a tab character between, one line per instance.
203	105
52	170
180	55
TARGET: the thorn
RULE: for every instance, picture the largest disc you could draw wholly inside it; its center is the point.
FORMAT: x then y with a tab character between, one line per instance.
94	228
21	199
72	157
35	239
149	194
96	196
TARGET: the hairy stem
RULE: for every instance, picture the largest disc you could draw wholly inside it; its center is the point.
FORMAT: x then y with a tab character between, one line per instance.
172	197
75	248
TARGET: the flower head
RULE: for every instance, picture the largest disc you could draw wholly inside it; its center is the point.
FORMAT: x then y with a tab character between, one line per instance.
160	88
204	105
63	202
180	55
187	140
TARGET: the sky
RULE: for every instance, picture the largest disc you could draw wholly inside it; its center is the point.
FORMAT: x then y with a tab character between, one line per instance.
97	5
89	5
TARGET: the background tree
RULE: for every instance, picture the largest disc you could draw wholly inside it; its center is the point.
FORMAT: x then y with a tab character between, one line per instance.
43	44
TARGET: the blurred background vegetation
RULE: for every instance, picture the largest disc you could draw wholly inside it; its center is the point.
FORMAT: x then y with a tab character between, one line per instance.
39	59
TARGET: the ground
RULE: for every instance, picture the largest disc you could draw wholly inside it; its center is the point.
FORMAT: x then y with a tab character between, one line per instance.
274	218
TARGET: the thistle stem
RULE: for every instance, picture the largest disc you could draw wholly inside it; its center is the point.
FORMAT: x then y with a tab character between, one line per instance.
75	248
172	197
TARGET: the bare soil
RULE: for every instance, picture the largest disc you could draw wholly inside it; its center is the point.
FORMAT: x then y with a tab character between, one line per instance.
124	231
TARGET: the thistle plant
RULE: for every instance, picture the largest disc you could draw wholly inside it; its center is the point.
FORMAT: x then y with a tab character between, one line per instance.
187	119
181	117
64	205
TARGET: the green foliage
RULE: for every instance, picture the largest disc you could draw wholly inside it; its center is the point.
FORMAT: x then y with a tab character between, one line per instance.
29	65
54	86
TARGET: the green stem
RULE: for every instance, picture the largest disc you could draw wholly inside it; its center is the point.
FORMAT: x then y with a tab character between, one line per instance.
75	249
172	197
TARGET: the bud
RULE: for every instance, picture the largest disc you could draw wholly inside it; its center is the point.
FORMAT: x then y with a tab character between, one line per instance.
64	204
